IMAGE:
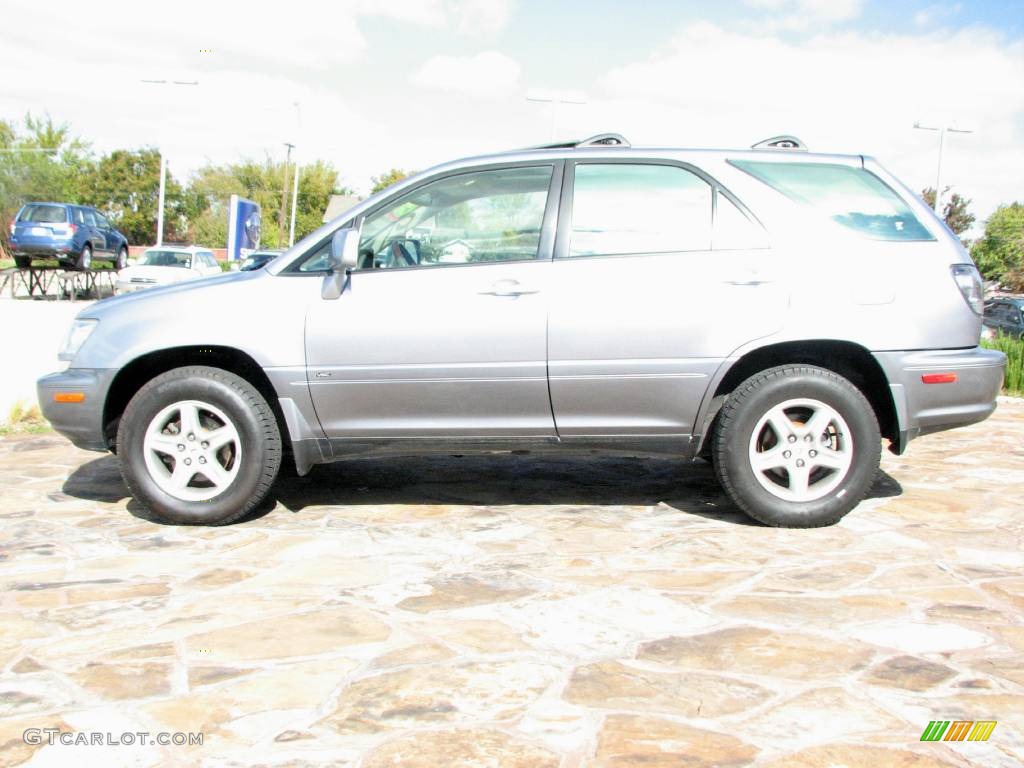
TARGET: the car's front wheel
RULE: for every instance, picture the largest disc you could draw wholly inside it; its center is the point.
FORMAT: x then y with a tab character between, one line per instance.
122	259
797	446
199	446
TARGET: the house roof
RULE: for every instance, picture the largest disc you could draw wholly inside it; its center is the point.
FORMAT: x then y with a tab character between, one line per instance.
338	204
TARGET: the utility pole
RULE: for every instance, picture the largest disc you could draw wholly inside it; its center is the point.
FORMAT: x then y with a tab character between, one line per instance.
284	195
295	188
938	169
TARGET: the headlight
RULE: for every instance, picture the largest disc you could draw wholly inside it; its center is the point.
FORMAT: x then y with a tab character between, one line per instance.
80	330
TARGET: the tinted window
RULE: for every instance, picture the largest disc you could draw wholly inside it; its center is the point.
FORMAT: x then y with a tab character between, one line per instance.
44	214
469	218
101	220
853	197
620	209
733	229
89	218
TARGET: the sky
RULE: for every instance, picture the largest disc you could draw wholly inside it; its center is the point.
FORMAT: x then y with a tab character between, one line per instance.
370	85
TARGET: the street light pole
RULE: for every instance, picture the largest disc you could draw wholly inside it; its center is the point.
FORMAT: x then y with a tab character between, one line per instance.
938	168
163	165
554	99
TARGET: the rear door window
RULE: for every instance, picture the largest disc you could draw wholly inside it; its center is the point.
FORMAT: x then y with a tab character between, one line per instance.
619	208
852	197
44	214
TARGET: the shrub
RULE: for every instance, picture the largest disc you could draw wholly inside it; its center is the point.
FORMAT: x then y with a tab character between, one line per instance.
1014	351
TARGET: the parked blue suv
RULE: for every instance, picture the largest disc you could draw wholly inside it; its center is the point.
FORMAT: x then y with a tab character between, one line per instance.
72	234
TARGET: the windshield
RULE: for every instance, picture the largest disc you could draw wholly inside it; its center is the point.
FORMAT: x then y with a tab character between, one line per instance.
166	259
44	214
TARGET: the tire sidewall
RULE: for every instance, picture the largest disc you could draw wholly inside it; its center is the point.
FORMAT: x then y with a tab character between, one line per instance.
122	259
84	259
156	396
855	410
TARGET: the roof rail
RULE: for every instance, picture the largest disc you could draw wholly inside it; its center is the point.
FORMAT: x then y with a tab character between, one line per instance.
597	140
781	142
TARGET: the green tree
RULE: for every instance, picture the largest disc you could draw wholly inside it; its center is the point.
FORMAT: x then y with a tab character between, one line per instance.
955	212
385	180
261	182
41	161
1001	249
125	185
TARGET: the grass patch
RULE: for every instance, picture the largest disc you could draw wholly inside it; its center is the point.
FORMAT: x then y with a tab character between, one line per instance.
24	420
1014	351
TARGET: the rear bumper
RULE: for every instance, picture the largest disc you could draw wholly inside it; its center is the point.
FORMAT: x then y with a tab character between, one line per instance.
925	408
81	423
43	250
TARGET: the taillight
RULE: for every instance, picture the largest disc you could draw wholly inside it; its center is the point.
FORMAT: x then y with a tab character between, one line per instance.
72	228
13	225
969	282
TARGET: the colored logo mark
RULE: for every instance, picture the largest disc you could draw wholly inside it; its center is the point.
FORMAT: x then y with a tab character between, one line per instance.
958	730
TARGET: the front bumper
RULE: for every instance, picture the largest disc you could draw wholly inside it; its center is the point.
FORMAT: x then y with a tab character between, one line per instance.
81	423
925	408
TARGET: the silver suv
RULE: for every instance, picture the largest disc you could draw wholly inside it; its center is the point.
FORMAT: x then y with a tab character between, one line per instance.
775	311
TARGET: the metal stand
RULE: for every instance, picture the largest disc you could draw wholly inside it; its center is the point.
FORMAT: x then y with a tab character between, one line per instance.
37	282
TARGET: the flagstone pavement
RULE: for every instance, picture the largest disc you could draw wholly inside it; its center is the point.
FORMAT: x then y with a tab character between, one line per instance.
517	611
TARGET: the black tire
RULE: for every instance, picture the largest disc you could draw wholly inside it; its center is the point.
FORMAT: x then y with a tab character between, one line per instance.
84	260
121	261
741	413
23	262
250	414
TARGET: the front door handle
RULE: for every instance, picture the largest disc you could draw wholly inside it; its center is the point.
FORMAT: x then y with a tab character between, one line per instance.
508	288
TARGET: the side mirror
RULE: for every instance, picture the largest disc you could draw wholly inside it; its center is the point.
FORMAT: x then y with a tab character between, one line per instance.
344	258
344	250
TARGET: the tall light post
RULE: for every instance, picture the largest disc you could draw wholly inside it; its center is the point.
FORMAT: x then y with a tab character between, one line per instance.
554	99
284	193
295	188
163	165
942	129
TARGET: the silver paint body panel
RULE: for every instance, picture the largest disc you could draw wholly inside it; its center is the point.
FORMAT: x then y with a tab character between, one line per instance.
613	353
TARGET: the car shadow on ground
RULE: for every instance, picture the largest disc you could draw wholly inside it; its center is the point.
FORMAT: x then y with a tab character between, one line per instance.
501	480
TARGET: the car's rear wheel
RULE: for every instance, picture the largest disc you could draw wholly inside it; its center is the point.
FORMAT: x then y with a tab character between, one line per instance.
84	260
122	259
199	446
23	262
797	446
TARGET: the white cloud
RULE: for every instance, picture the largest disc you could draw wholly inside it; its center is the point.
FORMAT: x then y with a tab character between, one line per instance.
481	17
801	15
489	73
844	92
934	14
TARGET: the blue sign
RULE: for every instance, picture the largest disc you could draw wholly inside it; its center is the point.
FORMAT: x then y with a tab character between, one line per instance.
244	227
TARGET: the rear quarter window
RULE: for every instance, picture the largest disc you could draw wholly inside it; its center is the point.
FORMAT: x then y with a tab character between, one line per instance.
852	197
44	214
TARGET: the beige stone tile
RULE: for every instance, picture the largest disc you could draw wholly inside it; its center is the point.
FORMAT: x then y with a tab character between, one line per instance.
291	635
460	749
615	685
631	741
757	651
440	694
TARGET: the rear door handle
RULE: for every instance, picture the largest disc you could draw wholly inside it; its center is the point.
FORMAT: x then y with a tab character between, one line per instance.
508	288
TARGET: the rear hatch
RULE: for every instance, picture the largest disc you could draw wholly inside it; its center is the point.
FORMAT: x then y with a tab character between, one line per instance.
42	224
